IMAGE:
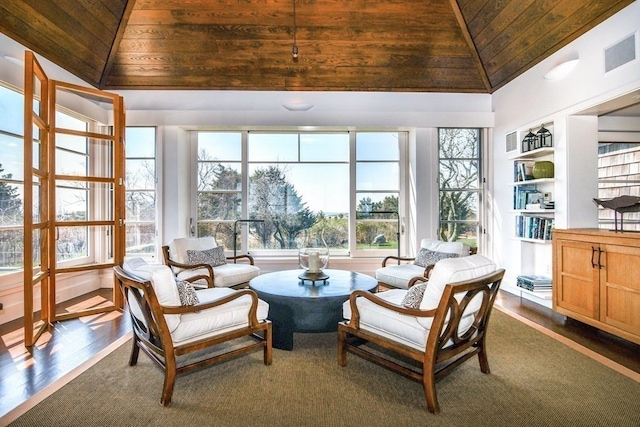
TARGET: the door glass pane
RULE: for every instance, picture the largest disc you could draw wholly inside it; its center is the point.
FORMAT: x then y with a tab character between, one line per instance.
324	147
71	163
141	174
141	142
11	111
140	194
459	180
219	146
459	174
219	176
141	206
71	243
78	201
273	147
377	146
11	250
11	160
377	176
141	239
219	206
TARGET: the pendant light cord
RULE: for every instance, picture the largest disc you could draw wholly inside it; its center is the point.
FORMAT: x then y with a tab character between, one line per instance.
294	49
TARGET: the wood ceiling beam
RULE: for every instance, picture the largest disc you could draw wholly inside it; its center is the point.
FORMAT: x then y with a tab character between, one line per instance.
472	47
115	45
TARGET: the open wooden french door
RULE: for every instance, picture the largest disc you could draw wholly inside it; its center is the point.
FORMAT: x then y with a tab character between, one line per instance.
36	199
78	189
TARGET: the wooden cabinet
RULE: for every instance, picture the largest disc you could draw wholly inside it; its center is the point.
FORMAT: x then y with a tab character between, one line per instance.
597	279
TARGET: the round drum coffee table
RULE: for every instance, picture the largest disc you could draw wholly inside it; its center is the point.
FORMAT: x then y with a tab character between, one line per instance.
303	306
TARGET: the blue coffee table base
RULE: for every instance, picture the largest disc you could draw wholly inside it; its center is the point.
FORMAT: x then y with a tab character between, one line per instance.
296	306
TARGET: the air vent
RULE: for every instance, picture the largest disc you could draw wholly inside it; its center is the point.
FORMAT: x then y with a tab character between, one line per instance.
620	53
512	142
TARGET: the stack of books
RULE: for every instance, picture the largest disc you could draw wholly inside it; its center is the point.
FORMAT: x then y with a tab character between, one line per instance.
534	283
534	227
547	204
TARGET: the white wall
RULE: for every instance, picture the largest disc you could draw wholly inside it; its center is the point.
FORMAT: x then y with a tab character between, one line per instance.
530	100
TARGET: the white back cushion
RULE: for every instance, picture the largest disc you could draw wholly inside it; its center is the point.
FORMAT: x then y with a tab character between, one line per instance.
447	247
163	281
178	247
453	270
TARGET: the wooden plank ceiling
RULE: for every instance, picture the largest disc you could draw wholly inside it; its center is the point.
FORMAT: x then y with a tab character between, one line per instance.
357	45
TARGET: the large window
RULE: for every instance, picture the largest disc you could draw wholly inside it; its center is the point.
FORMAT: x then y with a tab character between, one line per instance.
377	191
140	184
459	179
618	175
11	181
290	187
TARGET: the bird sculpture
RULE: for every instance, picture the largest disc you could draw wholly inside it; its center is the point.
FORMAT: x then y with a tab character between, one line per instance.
620	205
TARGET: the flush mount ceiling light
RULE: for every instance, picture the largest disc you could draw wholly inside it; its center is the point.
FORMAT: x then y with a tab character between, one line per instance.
561	70
297	106
294	49
13	60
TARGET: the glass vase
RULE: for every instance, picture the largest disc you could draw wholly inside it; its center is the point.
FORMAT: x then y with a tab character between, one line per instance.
313	255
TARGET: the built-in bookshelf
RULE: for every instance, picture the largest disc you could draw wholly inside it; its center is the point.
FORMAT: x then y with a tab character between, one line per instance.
533	203
533	214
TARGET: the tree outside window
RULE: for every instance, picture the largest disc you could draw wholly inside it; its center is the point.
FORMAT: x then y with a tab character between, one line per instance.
460	184
298	187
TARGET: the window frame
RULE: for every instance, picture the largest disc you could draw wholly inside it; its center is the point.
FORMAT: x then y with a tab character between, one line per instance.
242	248
152	255
481	180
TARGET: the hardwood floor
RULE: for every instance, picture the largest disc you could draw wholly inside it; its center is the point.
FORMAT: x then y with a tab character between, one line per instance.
25	372
616	349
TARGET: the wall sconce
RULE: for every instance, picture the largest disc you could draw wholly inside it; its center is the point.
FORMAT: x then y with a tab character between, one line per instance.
561	70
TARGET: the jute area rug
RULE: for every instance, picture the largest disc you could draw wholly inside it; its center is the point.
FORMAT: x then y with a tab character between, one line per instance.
534	381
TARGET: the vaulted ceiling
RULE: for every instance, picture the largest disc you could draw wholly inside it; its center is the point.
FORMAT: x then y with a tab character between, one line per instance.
468	46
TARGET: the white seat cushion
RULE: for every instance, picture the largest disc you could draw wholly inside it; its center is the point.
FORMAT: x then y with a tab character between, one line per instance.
396	326
398	276
216	320
163	282
224	275
414	331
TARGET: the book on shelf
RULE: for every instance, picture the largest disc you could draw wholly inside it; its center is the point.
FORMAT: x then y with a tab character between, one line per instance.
522	194
522	171
534	227
534	283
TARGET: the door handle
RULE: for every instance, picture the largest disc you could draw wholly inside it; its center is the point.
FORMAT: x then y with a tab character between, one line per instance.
600	251
593	255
